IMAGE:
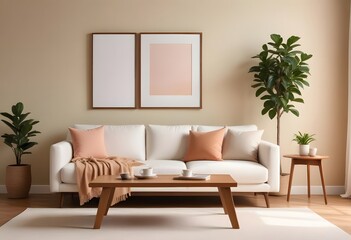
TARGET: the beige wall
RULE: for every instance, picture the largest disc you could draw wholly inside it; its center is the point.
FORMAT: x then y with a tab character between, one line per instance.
45	62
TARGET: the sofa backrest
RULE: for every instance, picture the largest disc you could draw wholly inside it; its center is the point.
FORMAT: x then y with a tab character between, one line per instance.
155	142
170	142
122	140
167	142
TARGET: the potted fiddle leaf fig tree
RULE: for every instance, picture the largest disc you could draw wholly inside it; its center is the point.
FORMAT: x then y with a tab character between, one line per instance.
18	176
279	76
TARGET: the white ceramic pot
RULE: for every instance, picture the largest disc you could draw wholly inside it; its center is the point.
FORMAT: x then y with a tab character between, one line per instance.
304	150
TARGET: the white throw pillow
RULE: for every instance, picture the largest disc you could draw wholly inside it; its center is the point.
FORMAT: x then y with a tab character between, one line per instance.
167	142
241	145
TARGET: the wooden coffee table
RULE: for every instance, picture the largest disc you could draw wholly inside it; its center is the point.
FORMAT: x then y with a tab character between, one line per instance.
109	183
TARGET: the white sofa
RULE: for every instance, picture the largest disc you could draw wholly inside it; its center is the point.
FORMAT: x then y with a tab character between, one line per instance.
162	147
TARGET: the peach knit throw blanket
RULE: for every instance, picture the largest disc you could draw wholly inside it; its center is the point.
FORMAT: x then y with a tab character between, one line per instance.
88	169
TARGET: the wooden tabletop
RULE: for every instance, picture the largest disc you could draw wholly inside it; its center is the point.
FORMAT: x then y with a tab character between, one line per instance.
216	180
296	156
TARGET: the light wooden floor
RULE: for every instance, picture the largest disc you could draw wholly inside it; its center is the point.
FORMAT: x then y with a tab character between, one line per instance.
338	210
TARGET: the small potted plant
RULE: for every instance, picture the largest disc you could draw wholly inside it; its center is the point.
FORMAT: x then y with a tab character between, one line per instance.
18	176
304	140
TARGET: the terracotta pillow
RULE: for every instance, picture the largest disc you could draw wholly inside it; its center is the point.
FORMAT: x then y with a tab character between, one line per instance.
205	145
88	143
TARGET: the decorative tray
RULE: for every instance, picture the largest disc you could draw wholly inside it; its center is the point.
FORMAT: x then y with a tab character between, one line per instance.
194	177
145	177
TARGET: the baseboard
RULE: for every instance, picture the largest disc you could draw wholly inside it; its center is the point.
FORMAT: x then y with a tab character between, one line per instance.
295	190
317	190
37	189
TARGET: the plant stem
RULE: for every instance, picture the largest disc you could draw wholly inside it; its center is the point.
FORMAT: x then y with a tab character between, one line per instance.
279	114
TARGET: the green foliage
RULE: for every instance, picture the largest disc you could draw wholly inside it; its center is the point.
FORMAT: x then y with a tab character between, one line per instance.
304	138
22	128
281	72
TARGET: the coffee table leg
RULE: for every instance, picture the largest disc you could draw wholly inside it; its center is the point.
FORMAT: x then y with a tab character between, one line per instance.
103	206
228	205
222	201
112	193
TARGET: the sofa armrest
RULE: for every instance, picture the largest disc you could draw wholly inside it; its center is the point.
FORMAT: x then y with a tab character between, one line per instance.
269	156
60	155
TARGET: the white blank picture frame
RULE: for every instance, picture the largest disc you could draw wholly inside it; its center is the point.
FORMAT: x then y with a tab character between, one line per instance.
113	70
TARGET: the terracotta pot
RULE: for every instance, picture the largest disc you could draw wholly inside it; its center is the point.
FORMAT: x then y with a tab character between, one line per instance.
18	180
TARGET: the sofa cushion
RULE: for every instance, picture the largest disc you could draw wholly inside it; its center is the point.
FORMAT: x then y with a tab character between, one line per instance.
244	172
167	142
68	173
122	140
205	145
242	145
88	143
162	166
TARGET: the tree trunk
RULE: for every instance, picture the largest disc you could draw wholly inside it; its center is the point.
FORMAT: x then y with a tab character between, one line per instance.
278	128
278	136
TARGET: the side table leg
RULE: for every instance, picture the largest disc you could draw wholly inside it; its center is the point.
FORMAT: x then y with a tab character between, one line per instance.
228	205
322	179
103	206
308	180
290	178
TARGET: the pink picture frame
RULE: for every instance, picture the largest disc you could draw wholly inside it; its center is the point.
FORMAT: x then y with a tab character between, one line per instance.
170	70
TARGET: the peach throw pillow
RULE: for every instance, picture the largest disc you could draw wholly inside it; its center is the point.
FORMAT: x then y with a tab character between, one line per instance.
205	145
88	143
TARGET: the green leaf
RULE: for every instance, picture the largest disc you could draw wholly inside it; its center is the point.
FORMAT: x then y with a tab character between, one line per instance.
264	111
294	111
255	69
10	125
300	100
305	57
294	46
295	90
264	47
256	85
263	55
292	40
277	39
9	116
269	104
23	116
17	109
28	145
305	83
260	91
272	113
266	97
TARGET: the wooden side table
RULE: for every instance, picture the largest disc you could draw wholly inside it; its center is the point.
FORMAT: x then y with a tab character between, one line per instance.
308	161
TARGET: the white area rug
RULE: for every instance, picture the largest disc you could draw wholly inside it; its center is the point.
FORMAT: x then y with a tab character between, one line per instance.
170	224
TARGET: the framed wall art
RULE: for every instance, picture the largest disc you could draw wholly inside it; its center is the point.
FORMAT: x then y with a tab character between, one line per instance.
114	77
170	70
